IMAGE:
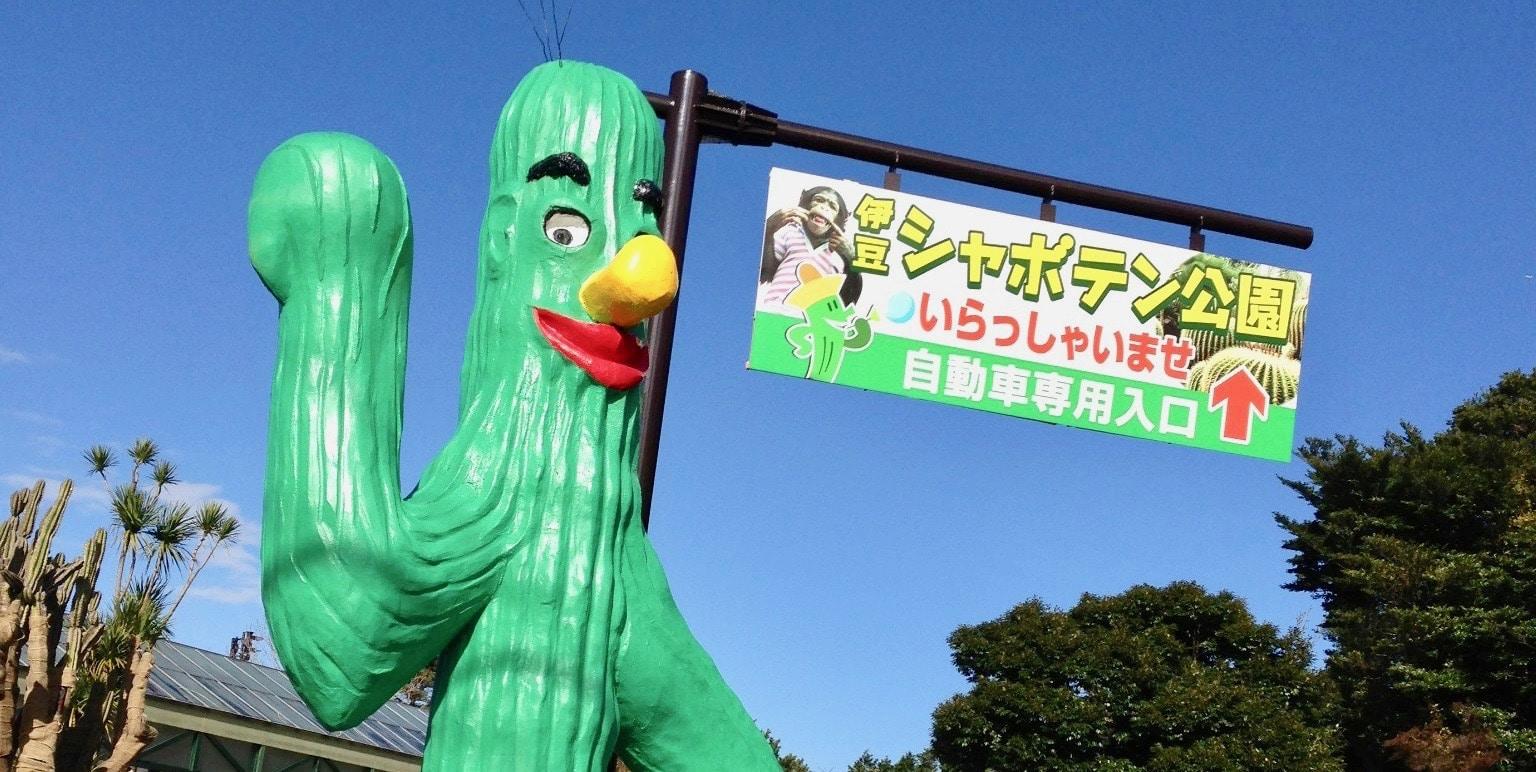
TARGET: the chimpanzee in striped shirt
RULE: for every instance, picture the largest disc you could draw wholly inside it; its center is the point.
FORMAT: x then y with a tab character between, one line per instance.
811	231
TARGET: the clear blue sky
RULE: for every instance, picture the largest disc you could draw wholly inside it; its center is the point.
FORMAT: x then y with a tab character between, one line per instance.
822	541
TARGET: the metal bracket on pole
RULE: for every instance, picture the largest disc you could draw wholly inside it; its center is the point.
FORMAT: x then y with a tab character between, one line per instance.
719	118
1048	206
1197	237
723	119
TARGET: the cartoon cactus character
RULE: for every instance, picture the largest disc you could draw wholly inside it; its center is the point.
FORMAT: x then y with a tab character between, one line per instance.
1278	375
830	329
519	560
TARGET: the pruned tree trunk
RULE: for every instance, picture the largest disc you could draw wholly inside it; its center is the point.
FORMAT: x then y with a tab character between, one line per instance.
10	656
38	724
137	733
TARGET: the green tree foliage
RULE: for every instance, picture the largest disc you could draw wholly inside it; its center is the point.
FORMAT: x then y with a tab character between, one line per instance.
909	762
789	762
1170	678
1423	552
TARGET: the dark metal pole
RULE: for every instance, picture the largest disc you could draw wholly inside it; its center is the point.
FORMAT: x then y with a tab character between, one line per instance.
681	138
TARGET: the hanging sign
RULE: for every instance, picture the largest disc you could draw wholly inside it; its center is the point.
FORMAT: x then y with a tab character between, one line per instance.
891	292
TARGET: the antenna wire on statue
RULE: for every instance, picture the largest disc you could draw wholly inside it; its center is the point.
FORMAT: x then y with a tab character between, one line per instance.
534	26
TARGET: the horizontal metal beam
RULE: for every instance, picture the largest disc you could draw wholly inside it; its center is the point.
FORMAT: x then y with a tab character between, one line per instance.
729	120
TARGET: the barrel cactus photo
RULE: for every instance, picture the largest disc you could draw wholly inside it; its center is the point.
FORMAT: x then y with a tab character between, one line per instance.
1277	374
1217	352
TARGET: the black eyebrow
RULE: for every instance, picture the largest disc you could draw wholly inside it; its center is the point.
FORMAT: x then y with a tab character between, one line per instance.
649	192
562	165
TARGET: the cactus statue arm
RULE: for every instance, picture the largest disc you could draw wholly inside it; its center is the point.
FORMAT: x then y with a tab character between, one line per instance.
359	590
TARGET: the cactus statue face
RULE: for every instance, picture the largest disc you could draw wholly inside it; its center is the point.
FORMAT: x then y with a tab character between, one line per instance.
519	562
573	169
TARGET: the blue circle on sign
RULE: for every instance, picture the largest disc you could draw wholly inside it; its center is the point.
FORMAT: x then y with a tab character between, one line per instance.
900	307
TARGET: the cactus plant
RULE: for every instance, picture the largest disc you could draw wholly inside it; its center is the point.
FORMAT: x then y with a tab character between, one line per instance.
1206	342
1298	329
1277	374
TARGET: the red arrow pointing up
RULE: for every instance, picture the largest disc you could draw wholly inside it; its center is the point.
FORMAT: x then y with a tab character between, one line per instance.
1240	397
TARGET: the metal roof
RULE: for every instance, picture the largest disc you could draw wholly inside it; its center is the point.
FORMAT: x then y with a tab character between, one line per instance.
214	681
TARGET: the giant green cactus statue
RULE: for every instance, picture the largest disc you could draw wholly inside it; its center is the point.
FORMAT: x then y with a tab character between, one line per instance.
519	558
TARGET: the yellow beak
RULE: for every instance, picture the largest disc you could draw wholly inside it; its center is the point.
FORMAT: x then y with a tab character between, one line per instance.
637	283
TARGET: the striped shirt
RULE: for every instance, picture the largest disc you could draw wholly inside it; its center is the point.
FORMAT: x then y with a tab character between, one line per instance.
791	247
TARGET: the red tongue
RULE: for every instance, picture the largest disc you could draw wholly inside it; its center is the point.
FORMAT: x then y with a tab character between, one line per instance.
610	355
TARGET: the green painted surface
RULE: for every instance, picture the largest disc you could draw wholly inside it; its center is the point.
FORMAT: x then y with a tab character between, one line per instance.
519	558
882	366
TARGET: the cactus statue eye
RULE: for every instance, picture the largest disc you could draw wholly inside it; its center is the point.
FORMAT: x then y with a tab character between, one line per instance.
566	228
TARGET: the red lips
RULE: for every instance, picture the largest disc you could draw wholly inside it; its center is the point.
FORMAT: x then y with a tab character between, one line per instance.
610	355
